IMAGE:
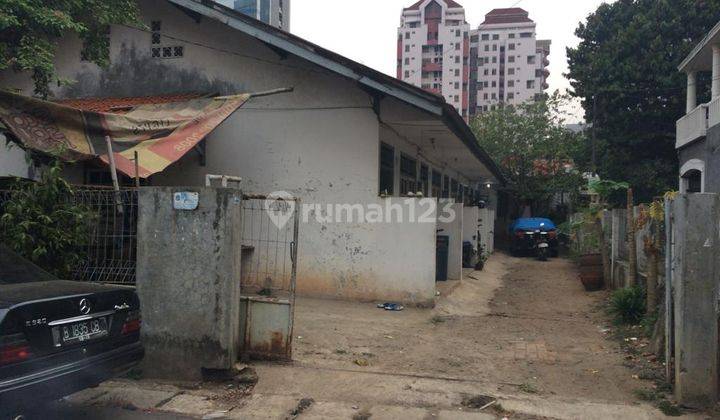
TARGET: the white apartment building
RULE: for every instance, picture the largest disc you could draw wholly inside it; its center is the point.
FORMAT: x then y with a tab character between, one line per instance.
272	12
511	62
501	62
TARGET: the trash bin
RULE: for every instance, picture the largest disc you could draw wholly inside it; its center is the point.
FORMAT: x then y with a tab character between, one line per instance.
442	250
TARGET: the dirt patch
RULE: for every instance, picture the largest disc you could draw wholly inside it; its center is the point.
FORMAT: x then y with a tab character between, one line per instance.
519	325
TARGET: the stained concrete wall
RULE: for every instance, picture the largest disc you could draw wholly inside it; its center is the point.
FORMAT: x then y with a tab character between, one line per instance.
695	278
450	220
471	224
188	272
487	229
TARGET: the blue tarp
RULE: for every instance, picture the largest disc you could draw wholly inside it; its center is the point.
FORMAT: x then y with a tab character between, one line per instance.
532	223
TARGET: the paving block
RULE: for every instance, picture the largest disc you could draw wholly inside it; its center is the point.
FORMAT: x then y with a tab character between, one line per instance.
330	410
194	405
140	398
387	412
86	396
263	406
464	415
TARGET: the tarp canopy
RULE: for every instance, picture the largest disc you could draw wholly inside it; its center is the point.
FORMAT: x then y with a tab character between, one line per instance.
160	133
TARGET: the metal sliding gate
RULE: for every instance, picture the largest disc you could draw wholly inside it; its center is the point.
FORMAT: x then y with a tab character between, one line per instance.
269	237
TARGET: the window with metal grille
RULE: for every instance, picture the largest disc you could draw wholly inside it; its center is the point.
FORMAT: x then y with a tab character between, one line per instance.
387	169
454	189
446	187
408	175
425	180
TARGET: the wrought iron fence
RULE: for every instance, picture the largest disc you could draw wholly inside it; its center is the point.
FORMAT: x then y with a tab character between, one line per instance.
110	253
269	236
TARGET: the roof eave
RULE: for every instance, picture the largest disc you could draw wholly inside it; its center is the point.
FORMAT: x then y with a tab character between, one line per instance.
685	65
362	77
464	133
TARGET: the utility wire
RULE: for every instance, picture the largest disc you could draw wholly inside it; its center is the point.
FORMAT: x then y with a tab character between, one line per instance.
222	50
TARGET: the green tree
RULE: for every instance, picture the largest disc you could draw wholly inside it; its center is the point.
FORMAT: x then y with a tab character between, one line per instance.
625	71
533	148
41	222
30	29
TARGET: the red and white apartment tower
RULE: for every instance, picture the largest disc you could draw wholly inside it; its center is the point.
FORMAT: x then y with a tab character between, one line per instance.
500	62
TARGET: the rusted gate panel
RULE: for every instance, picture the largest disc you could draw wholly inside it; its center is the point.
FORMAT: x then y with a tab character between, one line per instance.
269	266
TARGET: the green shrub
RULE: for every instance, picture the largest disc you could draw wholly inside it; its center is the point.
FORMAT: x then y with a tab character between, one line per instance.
628	305
42	223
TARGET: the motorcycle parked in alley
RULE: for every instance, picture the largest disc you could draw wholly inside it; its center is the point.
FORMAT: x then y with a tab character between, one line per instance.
542	245
534	236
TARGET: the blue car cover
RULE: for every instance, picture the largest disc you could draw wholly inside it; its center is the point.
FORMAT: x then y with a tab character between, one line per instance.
532	223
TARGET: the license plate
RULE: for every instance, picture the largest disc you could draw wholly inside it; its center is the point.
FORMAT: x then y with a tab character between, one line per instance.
79	332
543	246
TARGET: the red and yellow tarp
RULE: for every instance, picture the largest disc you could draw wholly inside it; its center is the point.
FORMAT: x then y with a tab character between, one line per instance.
160	133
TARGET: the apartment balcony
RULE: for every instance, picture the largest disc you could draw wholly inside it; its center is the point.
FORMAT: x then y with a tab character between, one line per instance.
694	125
699	118
431	67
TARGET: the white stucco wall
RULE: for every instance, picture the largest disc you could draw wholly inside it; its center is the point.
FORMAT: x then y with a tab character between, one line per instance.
487	229
471	217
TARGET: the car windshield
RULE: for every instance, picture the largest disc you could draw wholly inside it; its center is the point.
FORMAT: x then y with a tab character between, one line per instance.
16	269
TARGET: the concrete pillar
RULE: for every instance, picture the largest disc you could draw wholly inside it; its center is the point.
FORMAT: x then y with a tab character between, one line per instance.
715	71
695	275
188	271
691	91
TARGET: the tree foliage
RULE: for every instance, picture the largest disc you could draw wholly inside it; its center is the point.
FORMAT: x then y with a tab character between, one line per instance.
30	29
41	222
625	71
533	148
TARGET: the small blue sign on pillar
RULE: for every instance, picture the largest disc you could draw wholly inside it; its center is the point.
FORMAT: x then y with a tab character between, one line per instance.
186	200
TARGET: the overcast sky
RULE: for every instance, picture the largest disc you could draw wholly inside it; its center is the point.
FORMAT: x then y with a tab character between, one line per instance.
366	31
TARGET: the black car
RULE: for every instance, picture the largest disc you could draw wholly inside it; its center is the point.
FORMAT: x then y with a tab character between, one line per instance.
58	337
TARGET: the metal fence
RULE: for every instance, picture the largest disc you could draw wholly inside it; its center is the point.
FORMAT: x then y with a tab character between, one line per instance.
269	238
110	252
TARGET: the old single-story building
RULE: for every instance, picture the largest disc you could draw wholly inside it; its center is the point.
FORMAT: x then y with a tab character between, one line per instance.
346	135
